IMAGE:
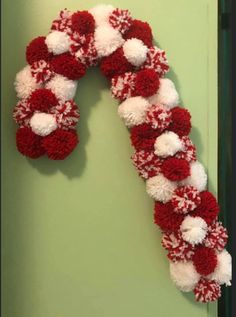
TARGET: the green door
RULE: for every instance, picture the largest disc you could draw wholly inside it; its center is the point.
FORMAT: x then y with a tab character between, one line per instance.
78	240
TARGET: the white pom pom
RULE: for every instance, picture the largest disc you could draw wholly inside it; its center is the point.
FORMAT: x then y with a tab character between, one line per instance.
135	51
133	111
107	40
58	42
194	229
197	178
166	94
160	188
101	13
167	144
25	84
223	270
43	123
184	275
62	87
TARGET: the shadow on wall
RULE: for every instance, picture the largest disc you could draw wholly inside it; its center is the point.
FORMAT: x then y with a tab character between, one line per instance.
88	94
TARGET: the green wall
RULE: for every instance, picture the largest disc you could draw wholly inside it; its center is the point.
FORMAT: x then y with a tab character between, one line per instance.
78	235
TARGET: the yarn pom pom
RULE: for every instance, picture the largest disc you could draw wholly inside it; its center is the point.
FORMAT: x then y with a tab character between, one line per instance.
146	163
160	188
22	113
42	100
146	83
194	229
122	86
63	88
181	121
43	123
67	114
37	50
178	249
68	66
135	52
167	144
184	275
158	117
189	152
207	291
208	208
115	64
156	59
140	30
28	143
143	137
175	169
197	178
58	42
25	83
166	95
185	199
223	271
120	19
133	111
59	144
217	237
83	22
166	218
41	71
107	40
101	13
205	260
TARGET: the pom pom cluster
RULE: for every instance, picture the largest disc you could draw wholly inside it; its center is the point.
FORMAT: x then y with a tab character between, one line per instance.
164	156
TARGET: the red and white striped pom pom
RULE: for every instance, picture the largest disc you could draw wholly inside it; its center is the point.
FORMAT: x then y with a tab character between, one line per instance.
87	53
178	249
63	22
123	85
217	237
156	59
189	152
22	113
120	20
67	114
41	71
207	291
158	117
185	199
146	163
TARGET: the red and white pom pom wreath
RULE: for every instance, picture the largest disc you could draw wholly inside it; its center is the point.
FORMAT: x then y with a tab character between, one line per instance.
164	156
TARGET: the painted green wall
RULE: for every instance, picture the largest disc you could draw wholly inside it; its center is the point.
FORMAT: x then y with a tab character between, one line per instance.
78	235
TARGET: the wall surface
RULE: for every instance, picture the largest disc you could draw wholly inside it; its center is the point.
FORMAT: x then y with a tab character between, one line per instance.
78	235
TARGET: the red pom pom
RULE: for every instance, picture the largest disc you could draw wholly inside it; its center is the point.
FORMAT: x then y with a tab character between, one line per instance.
37	50
115	64
208	209
122	85
42	100
59	144
68	66
143	137
204	260
146	163
166	218
175	169
207	291
185	199
181	121
217	237
146	83
28	143
83	22
179	250
158	117
140	30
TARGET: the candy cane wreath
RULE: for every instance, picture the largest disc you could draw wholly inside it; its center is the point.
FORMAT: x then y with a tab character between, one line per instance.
164	157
